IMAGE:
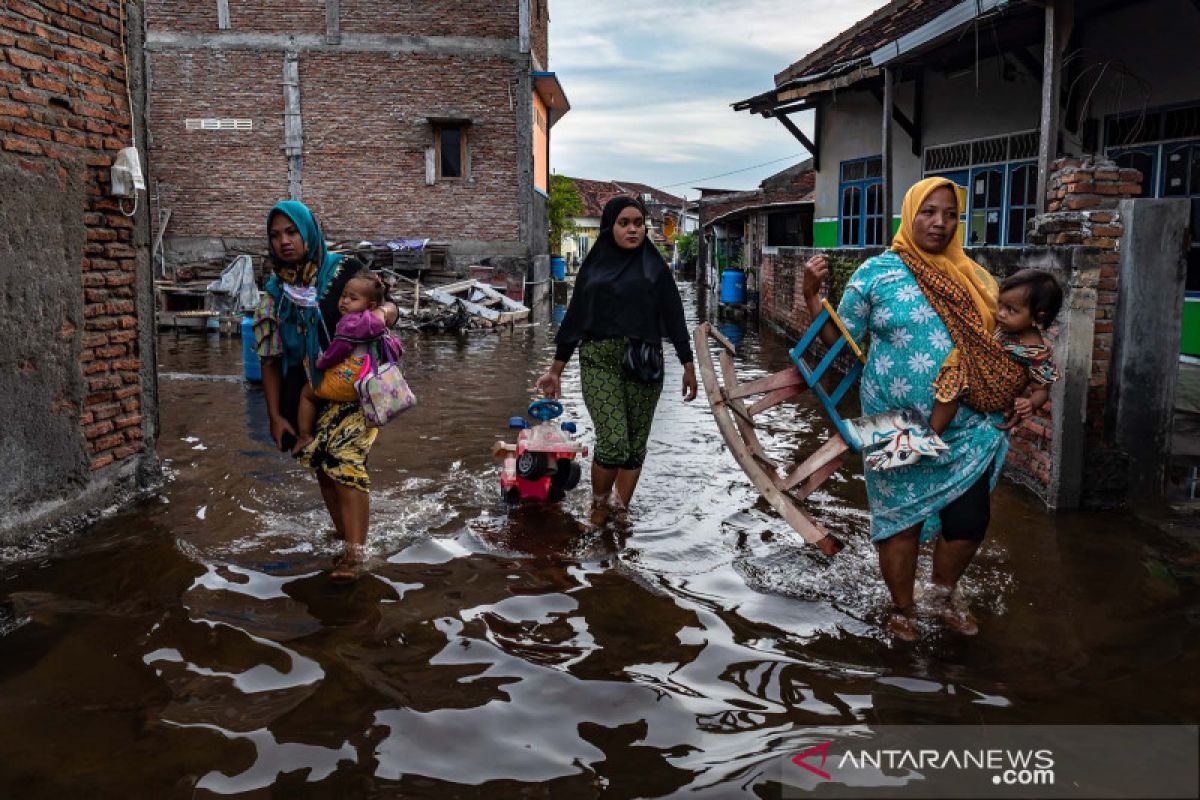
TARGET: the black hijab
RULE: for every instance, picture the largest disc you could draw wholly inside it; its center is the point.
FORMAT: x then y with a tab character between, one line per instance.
622	293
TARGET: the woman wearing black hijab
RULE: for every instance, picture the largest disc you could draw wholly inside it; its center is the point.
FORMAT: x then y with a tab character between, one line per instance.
624	297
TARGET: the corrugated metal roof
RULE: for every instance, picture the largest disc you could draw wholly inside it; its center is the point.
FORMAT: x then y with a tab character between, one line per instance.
888	23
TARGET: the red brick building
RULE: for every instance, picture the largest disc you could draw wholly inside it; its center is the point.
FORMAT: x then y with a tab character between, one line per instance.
78	405
391	119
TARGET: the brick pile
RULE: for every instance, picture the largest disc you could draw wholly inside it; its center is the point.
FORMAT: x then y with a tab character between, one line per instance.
63	110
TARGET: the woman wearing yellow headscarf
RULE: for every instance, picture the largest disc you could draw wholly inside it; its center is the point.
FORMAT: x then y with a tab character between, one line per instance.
925	307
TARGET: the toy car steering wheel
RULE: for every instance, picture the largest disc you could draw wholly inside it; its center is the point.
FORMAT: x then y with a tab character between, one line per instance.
545	410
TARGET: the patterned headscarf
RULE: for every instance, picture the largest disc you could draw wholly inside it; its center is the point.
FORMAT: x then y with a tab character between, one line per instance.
952	262
299	326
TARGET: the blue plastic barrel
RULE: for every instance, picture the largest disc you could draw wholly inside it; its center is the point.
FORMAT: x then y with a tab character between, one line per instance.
733	287
558	268
251	366
560	313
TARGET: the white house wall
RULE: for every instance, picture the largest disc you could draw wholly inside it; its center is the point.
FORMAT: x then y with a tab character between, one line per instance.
853	128
955	110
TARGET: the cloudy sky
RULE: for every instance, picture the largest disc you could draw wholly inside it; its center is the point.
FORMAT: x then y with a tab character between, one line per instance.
651	85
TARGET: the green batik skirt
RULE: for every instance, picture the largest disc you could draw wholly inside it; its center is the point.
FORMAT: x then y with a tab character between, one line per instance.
620	407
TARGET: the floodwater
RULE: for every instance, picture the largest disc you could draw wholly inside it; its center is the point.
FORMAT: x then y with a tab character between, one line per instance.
195	647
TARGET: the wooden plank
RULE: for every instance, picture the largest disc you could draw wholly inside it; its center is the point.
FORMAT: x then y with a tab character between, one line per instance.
780	380
158	237
816	479
453	288
744	423
799	134
808	528
775	398
716	334
448	300
1051	74
506	301
889	104
826	453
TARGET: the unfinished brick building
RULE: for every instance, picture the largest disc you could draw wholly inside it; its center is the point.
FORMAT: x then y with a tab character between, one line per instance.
78	405
391	119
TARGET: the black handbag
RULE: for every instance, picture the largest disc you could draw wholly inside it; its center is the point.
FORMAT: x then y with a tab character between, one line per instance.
643	361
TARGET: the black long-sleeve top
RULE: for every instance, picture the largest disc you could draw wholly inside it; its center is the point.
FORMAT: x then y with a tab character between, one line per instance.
624	294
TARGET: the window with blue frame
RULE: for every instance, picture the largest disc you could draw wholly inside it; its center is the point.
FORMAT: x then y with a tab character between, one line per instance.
986	202
1001	183
1022	202
860	219
1164	145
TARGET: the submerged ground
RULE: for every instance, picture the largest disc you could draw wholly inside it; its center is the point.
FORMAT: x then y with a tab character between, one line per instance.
194	646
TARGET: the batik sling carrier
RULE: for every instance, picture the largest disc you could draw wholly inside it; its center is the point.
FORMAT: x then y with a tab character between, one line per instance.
977	371
382	389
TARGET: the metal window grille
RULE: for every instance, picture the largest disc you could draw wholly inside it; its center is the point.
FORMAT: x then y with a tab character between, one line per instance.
1181	123
976	152
227	124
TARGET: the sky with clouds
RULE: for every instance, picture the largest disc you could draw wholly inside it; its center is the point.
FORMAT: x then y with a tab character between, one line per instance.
651	84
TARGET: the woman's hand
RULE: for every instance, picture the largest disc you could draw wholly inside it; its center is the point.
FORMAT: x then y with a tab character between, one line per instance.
279	427
550	384
816	270
689	382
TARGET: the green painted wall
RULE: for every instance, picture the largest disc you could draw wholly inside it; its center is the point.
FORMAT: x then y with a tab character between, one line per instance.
825	233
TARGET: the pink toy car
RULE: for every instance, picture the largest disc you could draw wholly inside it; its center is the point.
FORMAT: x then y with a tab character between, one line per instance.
541	466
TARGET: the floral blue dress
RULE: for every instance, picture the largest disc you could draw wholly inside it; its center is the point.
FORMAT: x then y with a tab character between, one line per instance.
908	343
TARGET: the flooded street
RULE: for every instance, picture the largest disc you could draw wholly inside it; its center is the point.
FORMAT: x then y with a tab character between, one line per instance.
194	645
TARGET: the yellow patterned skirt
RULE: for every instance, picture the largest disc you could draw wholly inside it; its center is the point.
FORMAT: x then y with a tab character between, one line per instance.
340	445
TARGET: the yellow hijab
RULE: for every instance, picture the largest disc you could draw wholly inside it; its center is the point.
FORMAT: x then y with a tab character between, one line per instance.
952	261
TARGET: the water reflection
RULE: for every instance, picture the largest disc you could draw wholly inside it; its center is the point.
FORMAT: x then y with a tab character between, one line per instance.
196	646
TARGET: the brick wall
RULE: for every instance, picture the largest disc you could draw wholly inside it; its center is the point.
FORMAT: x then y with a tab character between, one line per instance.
260	16
244	173
1082	209
182	17
78	394
539	32
364	115
431	17
364	172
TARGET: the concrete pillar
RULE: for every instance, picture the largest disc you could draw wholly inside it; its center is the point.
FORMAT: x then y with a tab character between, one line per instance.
1069	396
333	19
293	125
1145	355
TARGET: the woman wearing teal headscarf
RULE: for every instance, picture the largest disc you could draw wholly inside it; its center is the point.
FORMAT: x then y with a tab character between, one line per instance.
292	325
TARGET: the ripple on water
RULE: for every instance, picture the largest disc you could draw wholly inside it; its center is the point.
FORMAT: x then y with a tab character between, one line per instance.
688	649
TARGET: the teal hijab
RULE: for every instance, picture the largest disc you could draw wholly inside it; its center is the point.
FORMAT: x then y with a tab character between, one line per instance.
300	327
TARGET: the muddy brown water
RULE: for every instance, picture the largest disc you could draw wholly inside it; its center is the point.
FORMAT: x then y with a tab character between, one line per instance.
193	646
